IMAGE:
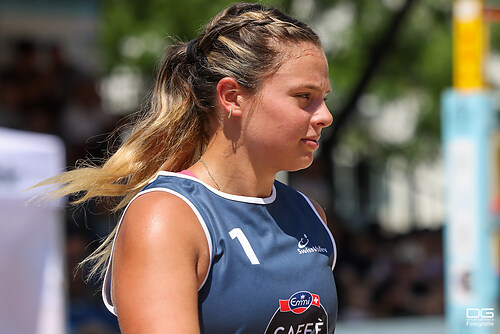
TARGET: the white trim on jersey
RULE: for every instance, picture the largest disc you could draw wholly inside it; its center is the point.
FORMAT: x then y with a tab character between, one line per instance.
237	198
326	227
106	288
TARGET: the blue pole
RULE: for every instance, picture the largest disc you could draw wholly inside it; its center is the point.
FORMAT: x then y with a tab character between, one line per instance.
468	125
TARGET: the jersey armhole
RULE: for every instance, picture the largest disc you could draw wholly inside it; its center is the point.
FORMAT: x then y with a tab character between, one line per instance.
106	288
325	226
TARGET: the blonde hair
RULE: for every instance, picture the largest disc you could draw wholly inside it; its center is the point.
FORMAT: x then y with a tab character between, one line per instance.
241	42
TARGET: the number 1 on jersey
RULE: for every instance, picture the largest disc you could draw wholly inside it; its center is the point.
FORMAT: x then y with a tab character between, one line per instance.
247	248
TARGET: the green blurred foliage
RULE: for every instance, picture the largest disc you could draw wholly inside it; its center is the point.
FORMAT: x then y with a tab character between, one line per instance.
136	33
151	22
419	62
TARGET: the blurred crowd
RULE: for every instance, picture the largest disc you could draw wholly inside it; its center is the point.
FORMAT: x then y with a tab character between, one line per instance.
377	275
41	91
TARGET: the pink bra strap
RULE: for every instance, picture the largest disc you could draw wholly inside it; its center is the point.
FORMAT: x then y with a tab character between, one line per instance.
187	172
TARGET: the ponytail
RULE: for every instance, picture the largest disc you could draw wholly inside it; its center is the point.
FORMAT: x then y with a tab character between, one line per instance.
171	136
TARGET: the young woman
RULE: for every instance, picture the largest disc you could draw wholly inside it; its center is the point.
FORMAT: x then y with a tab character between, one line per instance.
209	242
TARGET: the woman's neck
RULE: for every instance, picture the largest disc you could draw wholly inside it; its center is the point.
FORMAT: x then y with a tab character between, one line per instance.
233	173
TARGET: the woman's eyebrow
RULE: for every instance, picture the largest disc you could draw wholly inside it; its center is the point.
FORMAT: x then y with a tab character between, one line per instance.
313	87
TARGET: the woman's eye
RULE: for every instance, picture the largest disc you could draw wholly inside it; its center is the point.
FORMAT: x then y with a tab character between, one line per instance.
304	96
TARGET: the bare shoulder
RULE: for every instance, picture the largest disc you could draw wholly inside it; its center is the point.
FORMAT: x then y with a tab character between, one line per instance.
153	214
157	221
161	223
161	256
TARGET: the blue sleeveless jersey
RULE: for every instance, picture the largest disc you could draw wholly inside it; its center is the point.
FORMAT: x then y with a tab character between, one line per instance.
271	260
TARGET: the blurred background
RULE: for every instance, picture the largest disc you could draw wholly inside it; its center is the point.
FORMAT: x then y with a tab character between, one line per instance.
75	70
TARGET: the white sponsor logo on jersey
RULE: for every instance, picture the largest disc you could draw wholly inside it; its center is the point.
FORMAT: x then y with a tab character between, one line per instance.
303	249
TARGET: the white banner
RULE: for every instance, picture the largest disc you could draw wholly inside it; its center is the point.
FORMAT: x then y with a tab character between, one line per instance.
32	298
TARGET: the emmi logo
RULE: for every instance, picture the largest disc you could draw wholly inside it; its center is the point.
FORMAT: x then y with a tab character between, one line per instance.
480	317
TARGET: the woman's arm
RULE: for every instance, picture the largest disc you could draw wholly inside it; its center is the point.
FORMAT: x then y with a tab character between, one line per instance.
161	257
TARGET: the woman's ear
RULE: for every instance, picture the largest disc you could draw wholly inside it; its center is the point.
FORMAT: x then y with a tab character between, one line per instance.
229	94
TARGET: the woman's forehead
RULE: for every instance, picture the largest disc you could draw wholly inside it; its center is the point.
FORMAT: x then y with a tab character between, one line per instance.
306	66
